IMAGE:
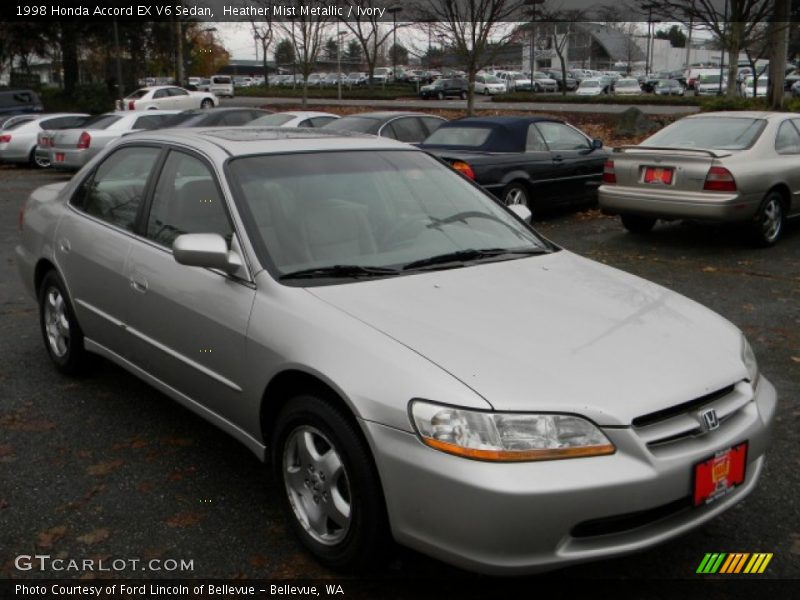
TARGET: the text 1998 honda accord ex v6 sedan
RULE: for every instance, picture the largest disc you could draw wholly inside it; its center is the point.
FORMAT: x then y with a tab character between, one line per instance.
415	360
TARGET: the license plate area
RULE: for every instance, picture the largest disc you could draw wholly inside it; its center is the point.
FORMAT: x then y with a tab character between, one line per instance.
718	475
658	175
59	157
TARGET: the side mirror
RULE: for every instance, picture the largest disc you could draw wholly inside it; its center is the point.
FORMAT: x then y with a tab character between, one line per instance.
522	211
208	250
597	144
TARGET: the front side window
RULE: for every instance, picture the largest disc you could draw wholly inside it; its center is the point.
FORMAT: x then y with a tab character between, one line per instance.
558	136
186	200
407	129
115	192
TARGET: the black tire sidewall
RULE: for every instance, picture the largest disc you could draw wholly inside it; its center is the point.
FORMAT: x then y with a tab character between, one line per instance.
365	540
74	360
757	227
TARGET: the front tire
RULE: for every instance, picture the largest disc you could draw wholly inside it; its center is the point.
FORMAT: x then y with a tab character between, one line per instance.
637	224
63	337
207	103
329	486
768	224
440	96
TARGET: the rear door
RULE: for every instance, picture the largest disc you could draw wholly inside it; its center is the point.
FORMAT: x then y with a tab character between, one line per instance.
180	99
787	146
93	241
189	323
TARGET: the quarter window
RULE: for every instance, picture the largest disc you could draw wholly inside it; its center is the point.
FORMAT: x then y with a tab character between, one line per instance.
407	129
788	139
114	194
186	200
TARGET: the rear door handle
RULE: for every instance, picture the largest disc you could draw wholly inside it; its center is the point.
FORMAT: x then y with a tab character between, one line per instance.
64	245
558	158
138	283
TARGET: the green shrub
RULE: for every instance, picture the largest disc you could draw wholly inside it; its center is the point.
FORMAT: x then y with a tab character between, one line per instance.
93	99
793	105
738	103
608	99
390	92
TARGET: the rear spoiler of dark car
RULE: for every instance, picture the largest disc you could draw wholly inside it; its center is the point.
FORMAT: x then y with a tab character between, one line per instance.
711	153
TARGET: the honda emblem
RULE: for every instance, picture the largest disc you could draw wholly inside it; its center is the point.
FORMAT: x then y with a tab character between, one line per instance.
709	419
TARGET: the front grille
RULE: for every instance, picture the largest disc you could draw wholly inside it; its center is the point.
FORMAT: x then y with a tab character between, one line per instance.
682	421
629	521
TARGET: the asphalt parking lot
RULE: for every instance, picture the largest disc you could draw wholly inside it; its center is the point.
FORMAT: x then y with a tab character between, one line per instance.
106	467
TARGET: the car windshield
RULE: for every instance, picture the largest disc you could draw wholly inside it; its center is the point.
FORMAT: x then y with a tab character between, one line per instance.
709	78
275	120
590	84
359	124
623	83
459	136
491	79
518	76
370	213
718	133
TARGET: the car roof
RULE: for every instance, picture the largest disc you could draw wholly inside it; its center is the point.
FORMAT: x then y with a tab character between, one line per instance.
243	141
388	114
507	122
744	114
306	113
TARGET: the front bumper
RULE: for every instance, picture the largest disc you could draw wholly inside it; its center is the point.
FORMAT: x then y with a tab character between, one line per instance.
675	204
513	519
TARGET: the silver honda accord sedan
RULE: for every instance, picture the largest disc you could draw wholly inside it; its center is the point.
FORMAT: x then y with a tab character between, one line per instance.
414	360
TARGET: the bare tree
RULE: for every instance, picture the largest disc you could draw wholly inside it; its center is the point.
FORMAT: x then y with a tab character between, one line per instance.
264	34
732	25
756	48
474	30
779	27
559	26
306	32
368	30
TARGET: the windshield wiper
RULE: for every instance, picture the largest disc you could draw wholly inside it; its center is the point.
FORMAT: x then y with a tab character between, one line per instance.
461	256
341	271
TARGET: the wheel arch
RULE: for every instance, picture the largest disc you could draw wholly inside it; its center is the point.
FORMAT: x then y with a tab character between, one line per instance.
43	266
785	193
287	384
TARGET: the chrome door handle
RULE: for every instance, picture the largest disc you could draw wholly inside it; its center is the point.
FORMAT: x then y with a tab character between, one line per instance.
64	245
139	284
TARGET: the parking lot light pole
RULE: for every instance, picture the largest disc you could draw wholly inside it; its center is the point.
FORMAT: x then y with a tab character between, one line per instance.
532	4
394	9
339	35
120	88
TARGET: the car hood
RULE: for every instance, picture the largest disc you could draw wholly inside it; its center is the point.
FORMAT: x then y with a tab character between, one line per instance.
553	333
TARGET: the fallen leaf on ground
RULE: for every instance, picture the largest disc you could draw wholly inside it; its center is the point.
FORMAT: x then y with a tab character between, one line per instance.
47	538
184	519
104	468
796	359
709	269
98	535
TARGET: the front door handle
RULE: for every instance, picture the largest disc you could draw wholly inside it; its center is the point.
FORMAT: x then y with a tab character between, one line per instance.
64	245
138	283
558	158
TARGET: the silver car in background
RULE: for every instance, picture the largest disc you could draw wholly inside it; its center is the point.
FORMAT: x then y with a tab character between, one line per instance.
18	141
740	167
71	149
415	360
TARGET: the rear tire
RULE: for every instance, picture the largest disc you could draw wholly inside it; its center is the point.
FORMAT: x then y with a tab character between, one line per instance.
207	103
463	95
328	483
37	162
62	335
517	192
440	95
637	224
768	224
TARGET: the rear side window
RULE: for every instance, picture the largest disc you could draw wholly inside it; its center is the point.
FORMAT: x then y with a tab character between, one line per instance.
150	121
114	193
407	129
186	200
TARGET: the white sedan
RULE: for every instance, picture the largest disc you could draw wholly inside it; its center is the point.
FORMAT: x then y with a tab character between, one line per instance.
489	85
296	118
168	97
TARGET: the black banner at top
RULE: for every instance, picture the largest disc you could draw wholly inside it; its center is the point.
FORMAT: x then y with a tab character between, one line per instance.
385	10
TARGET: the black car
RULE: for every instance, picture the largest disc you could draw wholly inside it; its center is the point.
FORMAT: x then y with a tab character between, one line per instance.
214	117
445	88
405	127
571	82
14	102
535	161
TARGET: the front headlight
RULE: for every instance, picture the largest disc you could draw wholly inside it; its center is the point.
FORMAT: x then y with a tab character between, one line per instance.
507	437
750	362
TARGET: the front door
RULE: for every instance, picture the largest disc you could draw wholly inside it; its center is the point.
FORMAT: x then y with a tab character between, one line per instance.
190	323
